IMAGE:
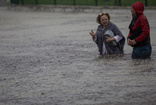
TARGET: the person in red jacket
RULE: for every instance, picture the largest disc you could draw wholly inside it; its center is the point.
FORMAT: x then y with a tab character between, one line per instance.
139	34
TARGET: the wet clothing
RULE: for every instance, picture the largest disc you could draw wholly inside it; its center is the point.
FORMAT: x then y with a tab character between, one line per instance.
140	31
142	52
103	46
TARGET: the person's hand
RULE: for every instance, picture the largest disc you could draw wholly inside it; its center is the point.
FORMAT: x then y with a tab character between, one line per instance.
92	34
131	42
108	39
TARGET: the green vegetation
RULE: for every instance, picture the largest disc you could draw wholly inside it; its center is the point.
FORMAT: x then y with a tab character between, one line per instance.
86	2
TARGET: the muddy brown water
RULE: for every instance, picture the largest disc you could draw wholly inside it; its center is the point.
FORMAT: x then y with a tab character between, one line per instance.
49	58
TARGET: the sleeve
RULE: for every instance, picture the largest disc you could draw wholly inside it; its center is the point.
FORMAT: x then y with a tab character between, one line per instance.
117	31
129	33
145	29
118	38
95	40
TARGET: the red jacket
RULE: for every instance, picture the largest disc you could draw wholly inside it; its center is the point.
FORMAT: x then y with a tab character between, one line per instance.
141	22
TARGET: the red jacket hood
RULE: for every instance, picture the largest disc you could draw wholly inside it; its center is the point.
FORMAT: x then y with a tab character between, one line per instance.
138	7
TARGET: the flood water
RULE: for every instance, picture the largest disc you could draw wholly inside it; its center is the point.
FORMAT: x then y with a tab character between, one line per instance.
49	58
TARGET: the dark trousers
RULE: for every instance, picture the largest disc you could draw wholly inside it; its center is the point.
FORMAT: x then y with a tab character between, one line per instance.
143	52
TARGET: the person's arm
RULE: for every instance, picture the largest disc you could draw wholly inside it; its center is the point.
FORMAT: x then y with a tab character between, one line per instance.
117	38
92	34
108	39
144	28
118	34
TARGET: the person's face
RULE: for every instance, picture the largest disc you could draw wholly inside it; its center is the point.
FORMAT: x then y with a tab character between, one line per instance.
133	12
104	20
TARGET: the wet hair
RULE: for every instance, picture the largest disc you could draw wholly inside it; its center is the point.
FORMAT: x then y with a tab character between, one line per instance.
99	16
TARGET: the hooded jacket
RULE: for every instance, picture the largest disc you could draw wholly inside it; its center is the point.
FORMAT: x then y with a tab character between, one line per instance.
140	26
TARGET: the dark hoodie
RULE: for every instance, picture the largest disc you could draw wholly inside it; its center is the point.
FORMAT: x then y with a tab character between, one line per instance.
139	26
